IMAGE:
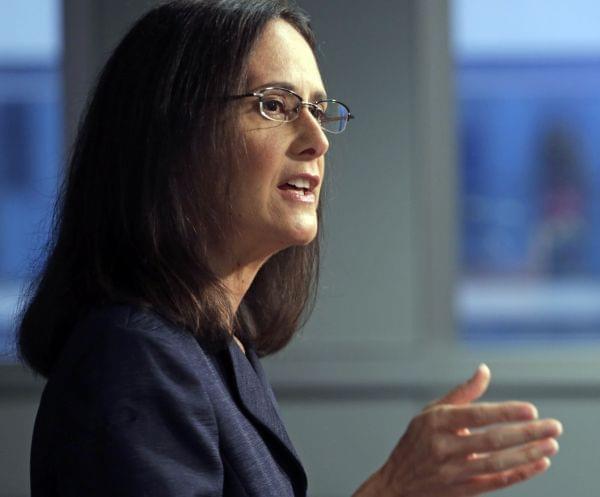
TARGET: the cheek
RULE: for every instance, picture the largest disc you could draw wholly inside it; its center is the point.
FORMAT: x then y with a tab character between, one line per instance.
264	163
255	184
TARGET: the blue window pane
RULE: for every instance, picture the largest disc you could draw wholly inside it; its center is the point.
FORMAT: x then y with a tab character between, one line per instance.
30	145
528	121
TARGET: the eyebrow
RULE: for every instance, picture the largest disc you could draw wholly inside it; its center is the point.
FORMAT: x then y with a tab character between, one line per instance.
317	95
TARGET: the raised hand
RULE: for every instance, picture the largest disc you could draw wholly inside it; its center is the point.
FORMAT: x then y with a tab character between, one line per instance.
455	447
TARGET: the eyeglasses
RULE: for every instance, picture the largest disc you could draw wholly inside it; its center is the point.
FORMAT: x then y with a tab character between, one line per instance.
283	105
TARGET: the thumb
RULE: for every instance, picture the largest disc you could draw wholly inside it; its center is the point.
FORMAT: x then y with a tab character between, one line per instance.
470	390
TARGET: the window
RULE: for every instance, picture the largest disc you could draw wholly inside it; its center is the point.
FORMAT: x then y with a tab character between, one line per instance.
30	144
528	98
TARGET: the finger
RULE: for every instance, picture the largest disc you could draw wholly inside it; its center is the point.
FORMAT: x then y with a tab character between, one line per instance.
489	483
477	415
470	390
498	462
503	437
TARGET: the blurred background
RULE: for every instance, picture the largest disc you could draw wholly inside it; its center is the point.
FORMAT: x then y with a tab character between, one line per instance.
462	221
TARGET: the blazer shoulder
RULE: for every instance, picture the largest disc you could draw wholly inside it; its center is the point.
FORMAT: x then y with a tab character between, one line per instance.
112	333
122	348
144	323
130	409
120	353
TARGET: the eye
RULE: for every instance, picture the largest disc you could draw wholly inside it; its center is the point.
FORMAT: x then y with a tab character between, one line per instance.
318	113
274	105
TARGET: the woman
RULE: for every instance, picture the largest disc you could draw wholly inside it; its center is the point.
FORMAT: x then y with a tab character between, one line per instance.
185	248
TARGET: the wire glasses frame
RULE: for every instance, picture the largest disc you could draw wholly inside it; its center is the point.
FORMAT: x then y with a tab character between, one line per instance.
283	105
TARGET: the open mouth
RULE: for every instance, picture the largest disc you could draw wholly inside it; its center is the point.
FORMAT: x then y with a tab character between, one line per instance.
300	184
299	189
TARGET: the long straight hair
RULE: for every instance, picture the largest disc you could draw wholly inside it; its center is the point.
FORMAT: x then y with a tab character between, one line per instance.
145	192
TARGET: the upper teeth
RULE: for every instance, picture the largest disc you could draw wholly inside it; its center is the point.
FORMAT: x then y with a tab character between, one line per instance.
299	183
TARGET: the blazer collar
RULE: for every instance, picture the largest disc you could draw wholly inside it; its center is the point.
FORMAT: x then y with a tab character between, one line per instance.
257	397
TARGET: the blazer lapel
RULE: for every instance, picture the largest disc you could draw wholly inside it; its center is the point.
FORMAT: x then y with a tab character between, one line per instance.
257	397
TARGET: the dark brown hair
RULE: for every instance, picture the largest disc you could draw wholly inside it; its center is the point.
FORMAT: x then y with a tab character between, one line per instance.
146	188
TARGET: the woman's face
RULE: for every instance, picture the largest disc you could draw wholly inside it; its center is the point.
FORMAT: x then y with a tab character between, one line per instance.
267	214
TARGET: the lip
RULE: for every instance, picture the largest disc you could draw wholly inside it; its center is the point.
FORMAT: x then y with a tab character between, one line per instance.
296	196
313	180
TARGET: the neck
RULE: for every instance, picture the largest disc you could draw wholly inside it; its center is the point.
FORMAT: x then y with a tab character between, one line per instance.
237	280
236	273
239	344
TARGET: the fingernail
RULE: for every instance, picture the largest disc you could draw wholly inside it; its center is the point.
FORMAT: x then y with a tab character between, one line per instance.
533	411
482	368
554	429
559	427
550	447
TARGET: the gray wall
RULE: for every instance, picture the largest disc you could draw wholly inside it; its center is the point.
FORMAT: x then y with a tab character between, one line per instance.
381	342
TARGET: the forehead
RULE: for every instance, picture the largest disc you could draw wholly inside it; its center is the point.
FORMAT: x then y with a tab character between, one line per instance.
282	54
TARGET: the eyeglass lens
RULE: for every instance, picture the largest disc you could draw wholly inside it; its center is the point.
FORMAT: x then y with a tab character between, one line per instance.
280	105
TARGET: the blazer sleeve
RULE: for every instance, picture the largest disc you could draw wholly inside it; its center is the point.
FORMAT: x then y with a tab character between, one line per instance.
137	419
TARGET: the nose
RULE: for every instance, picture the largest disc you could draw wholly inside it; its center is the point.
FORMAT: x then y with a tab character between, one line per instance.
311	141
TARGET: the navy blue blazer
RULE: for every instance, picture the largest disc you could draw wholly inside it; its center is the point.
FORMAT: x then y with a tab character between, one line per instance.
138	407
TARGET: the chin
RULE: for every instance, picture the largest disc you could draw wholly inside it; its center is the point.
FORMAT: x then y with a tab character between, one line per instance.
305	236
297	236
